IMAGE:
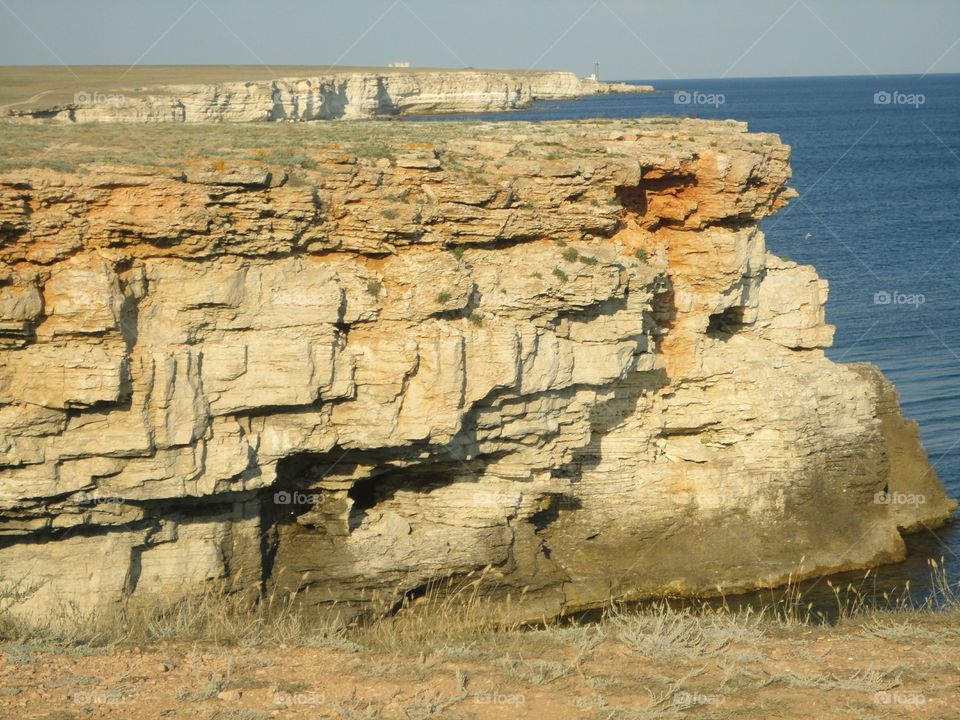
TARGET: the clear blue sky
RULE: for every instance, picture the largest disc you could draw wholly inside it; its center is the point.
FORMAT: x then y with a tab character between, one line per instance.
632	39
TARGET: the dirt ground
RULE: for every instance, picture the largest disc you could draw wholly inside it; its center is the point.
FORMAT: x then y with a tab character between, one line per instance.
879	668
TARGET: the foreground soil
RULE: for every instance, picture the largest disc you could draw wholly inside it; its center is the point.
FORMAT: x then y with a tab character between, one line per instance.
888	666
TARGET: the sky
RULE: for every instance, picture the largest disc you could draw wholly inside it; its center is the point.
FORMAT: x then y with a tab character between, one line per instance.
632	39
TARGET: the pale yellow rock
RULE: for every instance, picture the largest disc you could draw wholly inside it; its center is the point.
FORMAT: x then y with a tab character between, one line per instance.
791	302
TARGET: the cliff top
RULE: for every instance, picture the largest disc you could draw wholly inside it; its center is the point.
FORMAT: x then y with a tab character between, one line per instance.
293	145
373	187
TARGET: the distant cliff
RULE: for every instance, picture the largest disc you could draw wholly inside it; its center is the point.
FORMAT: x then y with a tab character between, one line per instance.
336	95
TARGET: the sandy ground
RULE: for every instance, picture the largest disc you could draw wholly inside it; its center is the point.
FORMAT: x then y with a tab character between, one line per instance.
585	672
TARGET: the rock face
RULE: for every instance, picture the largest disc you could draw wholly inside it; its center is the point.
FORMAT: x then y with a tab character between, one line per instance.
557	350
334	95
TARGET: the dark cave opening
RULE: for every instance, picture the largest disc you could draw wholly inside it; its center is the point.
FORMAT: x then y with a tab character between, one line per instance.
724	325
365	494
381	486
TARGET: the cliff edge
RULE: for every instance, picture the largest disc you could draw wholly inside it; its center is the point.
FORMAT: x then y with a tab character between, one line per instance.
558	351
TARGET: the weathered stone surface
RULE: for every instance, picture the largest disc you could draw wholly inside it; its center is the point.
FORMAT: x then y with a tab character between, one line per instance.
585	372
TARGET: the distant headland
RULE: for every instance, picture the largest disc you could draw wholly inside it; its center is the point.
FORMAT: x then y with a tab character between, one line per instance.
212	94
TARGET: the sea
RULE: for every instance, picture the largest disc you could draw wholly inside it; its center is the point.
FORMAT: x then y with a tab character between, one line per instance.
876	161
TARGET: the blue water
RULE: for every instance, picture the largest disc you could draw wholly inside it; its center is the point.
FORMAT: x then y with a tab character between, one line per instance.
880	212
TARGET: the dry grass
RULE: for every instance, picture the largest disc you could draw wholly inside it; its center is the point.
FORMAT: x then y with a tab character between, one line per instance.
215	617
181	146
455	652
454	615
71	147
662	632
449	614
695	664
80	147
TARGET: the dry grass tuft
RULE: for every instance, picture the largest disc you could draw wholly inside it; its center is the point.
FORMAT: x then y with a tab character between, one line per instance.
662	632
449	613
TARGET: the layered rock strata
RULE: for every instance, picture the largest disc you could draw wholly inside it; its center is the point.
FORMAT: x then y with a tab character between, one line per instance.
330	96
560	352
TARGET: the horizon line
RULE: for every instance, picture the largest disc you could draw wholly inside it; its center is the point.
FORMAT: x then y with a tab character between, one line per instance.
335	68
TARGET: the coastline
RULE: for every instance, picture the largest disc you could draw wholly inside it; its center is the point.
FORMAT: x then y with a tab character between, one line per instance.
183	94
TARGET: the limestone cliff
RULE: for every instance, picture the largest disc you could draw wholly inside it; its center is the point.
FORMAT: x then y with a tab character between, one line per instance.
332	95
558	350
